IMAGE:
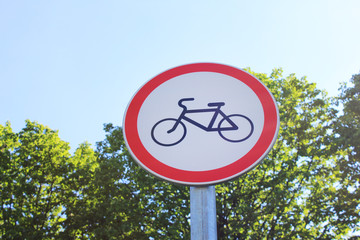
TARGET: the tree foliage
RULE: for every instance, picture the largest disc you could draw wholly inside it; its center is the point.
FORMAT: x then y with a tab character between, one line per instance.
306	188
347	132
123	202
33	168
293	193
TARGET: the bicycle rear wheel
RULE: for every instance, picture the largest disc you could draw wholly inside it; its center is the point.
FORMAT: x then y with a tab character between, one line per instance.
244	131
161	134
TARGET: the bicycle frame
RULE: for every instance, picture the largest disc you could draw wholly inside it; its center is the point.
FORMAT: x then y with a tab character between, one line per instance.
210	127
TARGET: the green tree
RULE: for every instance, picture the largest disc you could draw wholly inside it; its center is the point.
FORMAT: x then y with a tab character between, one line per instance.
294	193
78	190
33	166
39	179
48	194
347	132
347	126
122	201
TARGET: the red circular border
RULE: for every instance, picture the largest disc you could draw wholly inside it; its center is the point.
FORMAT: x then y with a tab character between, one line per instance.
263	145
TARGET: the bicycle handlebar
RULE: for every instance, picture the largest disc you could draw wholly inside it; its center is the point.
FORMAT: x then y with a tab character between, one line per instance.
183	100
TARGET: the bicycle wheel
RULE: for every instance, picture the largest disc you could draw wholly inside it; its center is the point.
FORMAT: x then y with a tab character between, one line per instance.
161	135
244	131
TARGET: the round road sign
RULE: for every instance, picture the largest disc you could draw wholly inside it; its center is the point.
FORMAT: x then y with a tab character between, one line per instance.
201	124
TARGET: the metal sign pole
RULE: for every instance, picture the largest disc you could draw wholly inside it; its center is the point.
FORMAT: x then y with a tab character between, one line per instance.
203	213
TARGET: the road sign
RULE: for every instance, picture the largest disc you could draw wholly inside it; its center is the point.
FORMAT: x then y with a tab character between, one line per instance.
201	124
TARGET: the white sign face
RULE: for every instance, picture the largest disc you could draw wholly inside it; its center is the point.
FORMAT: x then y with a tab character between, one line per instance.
201	124
204	145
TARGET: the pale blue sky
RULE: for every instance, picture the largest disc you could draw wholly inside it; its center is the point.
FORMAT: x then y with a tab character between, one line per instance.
74	65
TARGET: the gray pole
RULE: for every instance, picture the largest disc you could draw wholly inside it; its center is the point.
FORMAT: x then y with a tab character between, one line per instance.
203	213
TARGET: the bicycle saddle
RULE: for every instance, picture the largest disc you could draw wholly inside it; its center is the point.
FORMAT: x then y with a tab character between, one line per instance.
216	104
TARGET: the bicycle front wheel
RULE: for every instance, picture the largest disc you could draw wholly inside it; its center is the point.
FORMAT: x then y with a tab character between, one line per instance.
162	135
244	131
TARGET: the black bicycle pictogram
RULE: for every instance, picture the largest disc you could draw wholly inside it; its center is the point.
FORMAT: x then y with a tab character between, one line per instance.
174	129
